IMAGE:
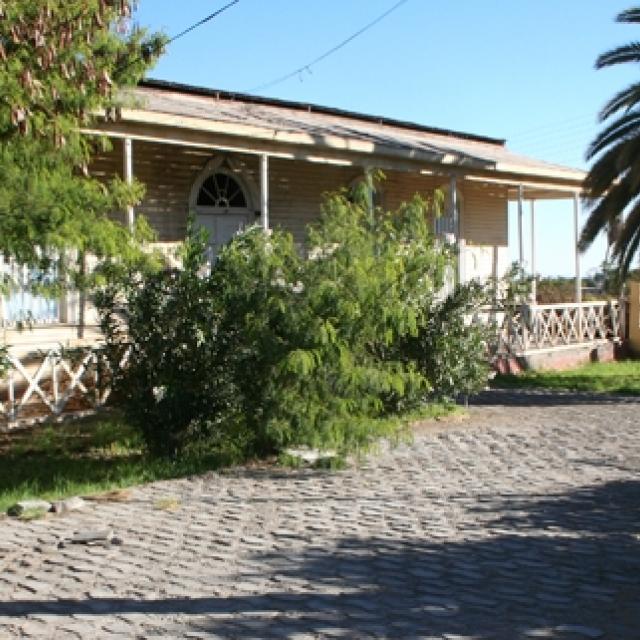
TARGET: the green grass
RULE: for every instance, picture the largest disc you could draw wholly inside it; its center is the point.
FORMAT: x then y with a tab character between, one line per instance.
600	377
103	453
84	457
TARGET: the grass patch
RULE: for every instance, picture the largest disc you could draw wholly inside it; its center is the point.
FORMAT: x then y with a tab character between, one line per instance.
84	457
104	454
599	377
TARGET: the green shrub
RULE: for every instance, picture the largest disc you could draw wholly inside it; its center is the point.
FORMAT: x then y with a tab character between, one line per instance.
451	347
175	387
275	348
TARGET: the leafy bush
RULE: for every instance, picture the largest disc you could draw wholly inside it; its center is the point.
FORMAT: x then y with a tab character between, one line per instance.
174	385
274	348
451	345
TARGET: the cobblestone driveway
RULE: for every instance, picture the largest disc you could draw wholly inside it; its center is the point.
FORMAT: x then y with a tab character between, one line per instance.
522	522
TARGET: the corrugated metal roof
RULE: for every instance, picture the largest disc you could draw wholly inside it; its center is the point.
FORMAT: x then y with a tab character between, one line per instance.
319	123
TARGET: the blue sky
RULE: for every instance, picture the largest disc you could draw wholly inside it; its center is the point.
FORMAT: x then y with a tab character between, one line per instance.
520	70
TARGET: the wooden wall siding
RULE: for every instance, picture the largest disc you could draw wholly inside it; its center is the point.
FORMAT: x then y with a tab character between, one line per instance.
168	172
484	211
296	190
485	215
482	262
401	186
108	165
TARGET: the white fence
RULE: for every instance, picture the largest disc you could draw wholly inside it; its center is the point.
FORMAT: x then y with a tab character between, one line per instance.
531	327
53	383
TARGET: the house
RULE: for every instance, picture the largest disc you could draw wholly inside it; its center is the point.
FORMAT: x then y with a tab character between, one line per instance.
235	159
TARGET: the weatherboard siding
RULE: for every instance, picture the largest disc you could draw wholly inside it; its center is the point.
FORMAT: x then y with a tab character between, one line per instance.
296	189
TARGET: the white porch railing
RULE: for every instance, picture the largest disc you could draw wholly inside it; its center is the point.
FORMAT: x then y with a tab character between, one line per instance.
53	383
532	327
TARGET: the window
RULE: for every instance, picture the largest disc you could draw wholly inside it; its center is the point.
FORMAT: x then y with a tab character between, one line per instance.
222	191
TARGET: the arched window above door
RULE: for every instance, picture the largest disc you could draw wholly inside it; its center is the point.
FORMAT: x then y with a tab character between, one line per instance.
222	191
223	186
223	198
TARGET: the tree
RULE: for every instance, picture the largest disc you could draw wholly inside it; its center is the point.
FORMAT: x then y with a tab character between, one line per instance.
62	63
613	182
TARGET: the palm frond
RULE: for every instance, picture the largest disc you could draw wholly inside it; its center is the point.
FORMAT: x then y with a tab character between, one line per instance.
627	125
629	15
628	239
627	257
606	210
620	55
625	99
597	222
633	173
610	166
613	183
604	172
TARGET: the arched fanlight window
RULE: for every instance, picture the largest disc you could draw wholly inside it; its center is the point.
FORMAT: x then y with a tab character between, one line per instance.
223	191
223	186
223	198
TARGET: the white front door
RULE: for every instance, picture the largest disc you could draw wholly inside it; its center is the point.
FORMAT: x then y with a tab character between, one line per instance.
221	228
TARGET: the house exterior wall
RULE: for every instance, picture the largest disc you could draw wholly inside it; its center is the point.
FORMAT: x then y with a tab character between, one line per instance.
485	230
295	195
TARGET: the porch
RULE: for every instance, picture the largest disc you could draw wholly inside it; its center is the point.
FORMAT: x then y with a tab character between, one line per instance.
238	160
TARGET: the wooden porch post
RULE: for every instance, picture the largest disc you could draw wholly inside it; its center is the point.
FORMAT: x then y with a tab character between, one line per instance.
128	177
457	225
534	283
576	236
520	240
264	191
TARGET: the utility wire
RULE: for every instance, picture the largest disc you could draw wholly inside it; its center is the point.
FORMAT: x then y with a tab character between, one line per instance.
554	125
215	14
326	54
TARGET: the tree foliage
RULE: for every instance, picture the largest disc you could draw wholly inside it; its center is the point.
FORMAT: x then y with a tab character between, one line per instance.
275	348
62	63
613	182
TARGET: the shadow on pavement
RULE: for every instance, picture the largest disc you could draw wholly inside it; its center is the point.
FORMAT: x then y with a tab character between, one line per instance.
547	398
567	563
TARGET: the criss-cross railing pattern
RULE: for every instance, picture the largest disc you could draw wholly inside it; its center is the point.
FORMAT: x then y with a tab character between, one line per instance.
530	327
47	383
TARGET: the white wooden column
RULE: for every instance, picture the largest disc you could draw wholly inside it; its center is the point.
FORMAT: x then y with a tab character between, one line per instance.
520	240
534	281
576	237
457	226
264	191
128	177
453	203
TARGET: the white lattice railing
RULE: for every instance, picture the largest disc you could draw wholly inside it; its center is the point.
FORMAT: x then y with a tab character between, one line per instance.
46	385
557	325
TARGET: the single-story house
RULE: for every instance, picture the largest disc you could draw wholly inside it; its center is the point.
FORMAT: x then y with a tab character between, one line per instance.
235	159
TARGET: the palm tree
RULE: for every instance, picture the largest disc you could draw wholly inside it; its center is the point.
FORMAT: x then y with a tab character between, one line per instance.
613	184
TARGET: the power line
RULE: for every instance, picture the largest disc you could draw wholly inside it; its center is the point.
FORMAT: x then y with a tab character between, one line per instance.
552	133
326	54
215	14
555	124
211	16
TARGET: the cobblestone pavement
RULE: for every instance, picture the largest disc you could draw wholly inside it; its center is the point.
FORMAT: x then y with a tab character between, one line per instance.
520	522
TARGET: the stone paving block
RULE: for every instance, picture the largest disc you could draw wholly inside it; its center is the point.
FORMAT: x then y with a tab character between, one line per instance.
520	520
